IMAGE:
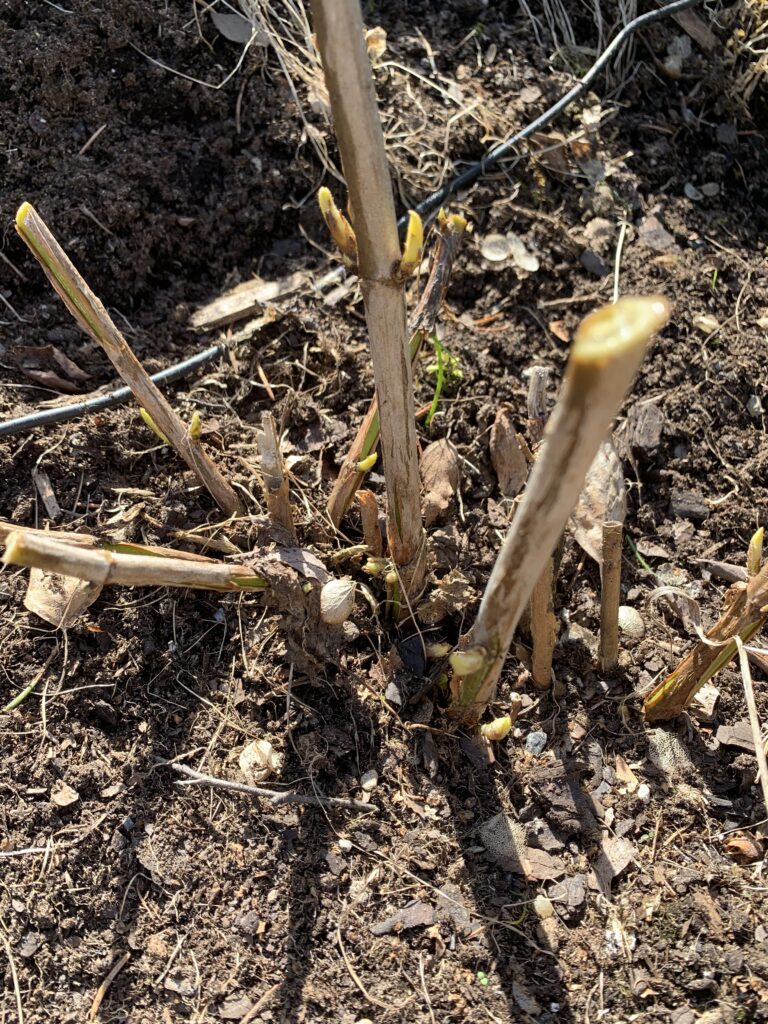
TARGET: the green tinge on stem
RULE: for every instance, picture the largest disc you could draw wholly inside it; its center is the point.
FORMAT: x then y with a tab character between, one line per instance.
440	378
250	582
57	272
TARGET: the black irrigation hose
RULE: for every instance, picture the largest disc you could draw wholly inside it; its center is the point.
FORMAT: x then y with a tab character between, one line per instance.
63	413
504	149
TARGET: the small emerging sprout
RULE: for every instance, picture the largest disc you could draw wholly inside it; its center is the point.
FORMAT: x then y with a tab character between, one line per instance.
341	230
755	552
375	566
195	428
466	663
368	463
497	729
152	425
414	245
453	223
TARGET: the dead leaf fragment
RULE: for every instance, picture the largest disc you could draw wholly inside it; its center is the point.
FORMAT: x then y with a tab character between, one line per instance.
63	795
60	600
439	470
303	561
625	774
49	366
415	915
376	41
616	856
507	455
453	594
602	500
258	760
744	848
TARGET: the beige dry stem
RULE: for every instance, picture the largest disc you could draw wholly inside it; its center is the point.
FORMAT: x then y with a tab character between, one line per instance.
86	308
606	354
346	65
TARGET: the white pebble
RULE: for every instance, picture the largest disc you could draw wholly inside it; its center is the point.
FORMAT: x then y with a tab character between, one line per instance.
543	907
644	793
345	845
495	248
369	780
631	622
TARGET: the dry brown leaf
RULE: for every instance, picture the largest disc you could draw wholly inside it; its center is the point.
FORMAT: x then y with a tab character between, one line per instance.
744	848
60	600
602	500
625	774
439	470
507	455
452	594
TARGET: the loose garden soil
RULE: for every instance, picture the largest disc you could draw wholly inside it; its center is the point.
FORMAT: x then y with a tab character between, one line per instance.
215	906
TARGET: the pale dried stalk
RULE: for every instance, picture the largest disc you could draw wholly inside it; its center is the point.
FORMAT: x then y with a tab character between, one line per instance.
420	326
542	603
107	567
275	482
339	28
605	356
610	596
95	321
743	615
369	516
86	540
543	627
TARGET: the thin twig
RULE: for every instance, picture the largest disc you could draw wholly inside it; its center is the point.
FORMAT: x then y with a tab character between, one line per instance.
276	798
610	596
103	988
15	977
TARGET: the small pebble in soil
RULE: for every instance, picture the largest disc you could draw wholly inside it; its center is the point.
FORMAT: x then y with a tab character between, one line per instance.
535	742
644	793
345	845
543	907
754	407
369	780
631	622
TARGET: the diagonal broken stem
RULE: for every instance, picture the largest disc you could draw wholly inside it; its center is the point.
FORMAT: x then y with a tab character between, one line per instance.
605	356
95	321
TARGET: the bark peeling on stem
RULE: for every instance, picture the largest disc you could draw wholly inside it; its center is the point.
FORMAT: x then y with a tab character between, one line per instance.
605	356
347	69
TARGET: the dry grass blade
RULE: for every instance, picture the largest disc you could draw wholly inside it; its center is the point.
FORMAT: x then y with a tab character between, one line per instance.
95	321
605	356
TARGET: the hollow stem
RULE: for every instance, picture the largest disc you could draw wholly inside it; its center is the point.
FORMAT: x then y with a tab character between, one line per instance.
605	356
95	321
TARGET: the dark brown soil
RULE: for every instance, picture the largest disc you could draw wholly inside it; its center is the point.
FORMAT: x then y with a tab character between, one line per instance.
215	906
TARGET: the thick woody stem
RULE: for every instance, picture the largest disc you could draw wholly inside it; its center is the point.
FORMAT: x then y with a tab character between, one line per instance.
339	28
606	354
275	483
420	326
107	567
